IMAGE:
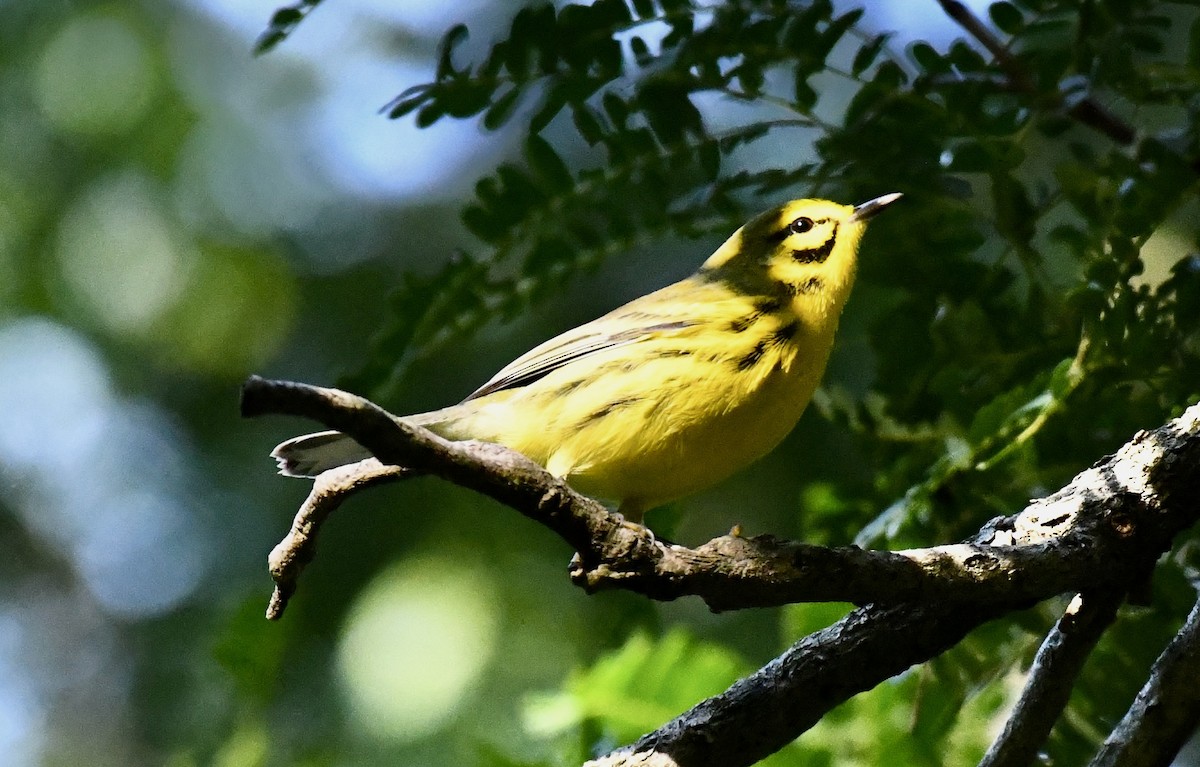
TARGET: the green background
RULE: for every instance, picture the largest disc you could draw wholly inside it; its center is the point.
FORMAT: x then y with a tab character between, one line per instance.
177	214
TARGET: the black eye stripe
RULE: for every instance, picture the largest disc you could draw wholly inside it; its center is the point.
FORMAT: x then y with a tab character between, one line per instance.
819	253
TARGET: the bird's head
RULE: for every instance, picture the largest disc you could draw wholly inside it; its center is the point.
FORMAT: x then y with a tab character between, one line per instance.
806	249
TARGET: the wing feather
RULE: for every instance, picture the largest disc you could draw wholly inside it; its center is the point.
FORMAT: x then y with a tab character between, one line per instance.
588	339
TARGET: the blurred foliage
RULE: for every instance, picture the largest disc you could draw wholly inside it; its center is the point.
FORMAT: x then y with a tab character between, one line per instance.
638	687
165	229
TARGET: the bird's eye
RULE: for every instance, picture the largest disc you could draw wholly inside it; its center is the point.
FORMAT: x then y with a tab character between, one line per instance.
801	225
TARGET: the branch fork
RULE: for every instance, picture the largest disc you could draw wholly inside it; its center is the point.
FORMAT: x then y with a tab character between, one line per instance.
1099	535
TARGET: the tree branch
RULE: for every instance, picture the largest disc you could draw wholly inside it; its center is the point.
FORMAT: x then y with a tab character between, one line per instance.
1086	110
503	474
1050	548
1103	530
1153	479
764	712
1167	709
298	547
1051	678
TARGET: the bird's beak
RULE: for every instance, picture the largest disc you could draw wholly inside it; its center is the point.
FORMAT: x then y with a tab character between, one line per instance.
871	207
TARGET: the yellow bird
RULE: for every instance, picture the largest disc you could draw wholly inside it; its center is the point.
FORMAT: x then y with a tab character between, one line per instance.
673	391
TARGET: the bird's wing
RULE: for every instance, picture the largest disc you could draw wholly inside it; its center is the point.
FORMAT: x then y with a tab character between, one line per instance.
605	333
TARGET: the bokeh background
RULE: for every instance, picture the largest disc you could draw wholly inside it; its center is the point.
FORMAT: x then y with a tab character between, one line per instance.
176	214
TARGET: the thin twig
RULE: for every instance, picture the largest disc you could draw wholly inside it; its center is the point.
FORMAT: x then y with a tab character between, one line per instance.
1051	679
1076	374
1167	709
289	558
1086	110
980	31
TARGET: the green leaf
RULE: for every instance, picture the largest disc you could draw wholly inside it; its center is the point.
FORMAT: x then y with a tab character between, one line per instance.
1007	18
965	58
455	36
671	113
928	58
547	166
873	95
1013	410
641	51
587	124
644	8
463	97
283	22
412	98
483	225
430	113
751	78
708	154
1087	191
552	103
502	110
837	30
1193	49
616	109
978	156
868	53
1183	286
1145	41
524	36
804	96
1016	217
638	687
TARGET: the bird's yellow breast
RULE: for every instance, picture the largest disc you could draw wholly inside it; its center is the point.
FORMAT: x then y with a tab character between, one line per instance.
704	432
660	418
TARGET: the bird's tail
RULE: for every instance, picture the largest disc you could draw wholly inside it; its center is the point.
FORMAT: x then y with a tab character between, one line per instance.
311	454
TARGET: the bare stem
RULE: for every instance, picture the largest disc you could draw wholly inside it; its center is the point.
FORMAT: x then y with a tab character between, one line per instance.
1051	679
1167	709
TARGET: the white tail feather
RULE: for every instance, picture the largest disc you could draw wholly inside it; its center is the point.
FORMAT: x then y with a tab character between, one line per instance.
310	454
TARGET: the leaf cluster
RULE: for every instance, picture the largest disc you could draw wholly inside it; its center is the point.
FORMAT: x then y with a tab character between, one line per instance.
623	80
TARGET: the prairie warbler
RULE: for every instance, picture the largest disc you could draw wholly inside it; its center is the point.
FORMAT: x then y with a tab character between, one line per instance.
675	390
